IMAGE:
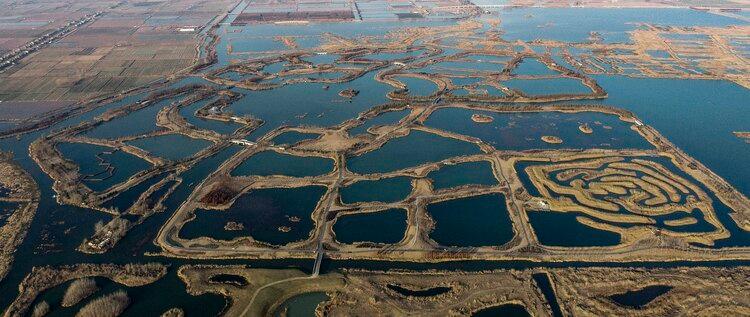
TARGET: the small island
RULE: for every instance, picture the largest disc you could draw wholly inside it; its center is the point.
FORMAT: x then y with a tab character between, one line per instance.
234	226
348	93
552	139
585	128
481	118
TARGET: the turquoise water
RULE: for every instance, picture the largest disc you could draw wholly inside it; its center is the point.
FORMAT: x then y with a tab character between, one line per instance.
470	173
293	137
465	81
471	222
523	131
574	24
97	177
480	63
418	86
139	122
386	226
387	190
222	127
411	152
689	112
385	55
171	146
532	66
322	59
262	212
548	86
481	90
274	163
386	118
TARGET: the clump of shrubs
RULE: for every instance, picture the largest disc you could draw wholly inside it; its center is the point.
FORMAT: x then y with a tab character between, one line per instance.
106	306
78	291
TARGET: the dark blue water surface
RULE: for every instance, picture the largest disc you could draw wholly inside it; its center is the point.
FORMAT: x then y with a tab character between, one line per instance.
171	146
471	222
470	173
262	213
523	131
411	150
386	226
386	190
273	163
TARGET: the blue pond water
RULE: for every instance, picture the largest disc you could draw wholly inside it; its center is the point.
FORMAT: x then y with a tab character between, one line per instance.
303	305
507	310
470	173
261	212
171	146
385	190
273	163
411	151
390	117
386	226
471	222
548	86
418	86
139	122
575	24
221	127
524	131
98	177
293	137
641	297
309	104
689	112
532	66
